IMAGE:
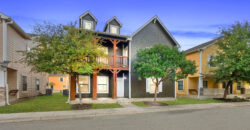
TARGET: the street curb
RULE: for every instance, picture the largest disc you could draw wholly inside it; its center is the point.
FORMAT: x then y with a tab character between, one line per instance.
56	115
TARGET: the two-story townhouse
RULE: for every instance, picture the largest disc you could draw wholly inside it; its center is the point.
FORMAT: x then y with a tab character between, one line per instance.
118	80
58	82
202	82
16	80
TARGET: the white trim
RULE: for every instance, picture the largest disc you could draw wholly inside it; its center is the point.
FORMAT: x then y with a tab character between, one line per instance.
129	54
200	82
164	28
107	85
117	27
182	85
88	12
83	24
77	90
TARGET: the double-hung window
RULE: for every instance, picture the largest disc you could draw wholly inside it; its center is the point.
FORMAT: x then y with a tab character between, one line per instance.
102	84
114	29
238	85
150	86
180	85
205	84
24	83
37	84
84	83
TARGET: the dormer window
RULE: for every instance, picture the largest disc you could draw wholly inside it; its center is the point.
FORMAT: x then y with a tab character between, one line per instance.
88	25
114	29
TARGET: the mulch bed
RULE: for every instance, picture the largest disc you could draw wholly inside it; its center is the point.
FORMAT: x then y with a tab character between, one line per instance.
81	106
155	103
232	100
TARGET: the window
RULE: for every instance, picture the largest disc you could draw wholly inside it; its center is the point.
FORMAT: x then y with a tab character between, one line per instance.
205	84
150	86
61	79
37	84
24	81
102	84
210	60
88	24
180	85
238	85
104	59
114	29
84	82
64	86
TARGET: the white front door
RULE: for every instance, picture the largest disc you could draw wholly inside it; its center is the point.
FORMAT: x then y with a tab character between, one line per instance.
120	87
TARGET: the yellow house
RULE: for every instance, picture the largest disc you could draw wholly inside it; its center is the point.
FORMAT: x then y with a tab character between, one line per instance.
202	54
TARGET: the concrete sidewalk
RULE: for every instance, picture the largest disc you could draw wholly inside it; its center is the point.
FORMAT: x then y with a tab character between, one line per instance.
129	109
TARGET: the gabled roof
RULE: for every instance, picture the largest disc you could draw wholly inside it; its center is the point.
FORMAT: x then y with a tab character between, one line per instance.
88	13
155	18
113	18
15	26
201	46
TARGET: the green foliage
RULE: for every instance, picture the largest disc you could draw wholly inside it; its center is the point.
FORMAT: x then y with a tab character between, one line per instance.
233	56
60	49
161	62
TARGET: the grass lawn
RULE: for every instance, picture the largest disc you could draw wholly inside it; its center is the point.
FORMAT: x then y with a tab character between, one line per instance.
182	101
57	102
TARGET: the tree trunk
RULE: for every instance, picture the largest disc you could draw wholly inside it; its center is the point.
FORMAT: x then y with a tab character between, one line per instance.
226	89
156	88
79	91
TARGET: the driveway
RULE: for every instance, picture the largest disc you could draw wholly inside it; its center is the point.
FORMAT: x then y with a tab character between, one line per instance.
229	118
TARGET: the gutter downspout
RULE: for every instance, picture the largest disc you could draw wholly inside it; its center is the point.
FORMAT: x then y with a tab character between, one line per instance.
129	93
175	85
200	75
5	37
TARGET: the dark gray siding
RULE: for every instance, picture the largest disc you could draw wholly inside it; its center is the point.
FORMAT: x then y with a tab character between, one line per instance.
147	37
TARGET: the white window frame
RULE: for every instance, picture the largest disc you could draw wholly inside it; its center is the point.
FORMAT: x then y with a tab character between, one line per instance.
88	84
117	27
203	83
148	86
37	79
208	60
107	85
65	86
182	85
84	25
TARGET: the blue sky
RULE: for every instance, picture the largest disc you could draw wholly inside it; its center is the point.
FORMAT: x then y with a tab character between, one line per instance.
190	21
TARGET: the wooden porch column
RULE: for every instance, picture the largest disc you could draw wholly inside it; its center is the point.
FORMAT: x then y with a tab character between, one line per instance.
114	42
72	88
114	96
94	93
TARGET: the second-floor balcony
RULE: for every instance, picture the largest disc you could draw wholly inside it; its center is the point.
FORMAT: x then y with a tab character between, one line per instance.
115	61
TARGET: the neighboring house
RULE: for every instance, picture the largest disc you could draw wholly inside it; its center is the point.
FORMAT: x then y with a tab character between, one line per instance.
118	80
203	79
58	82
16	80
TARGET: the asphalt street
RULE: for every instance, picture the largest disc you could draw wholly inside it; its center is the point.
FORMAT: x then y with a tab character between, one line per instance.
230	118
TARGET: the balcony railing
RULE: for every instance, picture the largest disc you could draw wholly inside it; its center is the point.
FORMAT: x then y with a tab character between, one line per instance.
121	61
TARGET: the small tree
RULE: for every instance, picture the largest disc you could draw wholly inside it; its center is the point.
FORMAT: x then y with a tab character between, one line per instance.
232	60
160	63
60	49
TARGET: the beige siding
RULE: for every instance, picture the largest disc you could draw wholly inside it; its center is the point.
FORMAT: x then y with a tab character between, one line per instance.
17	43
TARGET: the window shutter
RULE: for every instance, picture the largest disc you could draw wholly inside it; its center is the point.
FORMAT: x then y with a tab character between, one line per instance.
160	87
147	84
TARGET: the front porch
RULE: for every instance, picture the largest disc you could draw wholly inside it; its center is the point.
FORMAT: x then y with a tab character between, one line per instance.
110	81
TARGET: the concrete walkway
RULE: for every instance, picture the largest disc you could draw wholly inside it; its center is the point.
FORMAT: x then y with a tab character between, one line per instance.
129	109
